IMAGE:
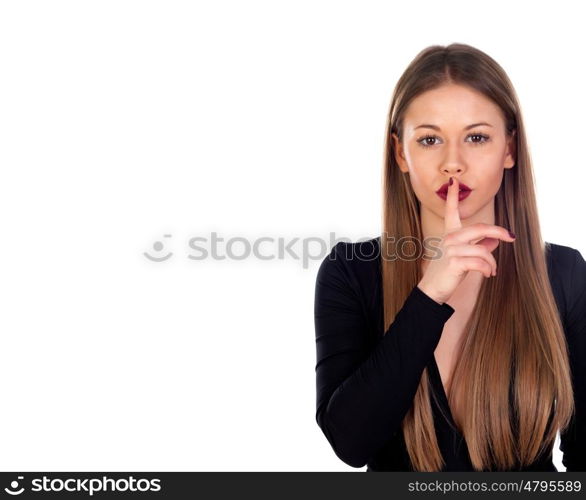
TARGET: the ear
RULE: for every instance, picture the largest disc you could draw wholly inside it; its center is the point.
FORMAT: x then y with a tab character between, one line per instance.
511	150
399	153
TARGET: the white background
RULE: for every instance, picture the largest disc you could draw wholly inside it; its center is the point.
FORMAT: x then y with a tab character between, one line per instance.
123	121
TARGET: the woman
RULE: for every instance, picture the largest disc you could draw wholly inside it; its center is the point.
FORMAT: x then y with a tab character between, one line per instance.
455	341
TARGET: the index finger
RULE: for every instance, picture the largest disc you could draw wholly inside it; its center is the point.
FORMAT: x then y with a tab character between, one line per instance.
451	214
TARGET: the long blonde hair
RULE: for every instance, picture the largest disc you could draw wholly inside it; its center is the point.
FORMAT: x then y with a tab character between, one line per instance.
512	376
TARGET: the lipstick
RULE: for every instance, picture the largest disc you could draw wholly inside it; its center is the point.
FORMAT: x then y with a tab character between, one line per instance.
464	192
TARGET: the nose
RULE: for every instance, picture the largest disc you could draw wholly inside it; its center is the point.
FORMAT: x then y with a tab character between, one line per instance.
452	164
452	170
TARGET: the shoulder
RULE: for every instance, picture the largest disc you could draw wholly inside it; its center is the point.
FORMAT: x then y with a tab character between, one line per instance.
561	256
567	264
352	258
352	265
567	270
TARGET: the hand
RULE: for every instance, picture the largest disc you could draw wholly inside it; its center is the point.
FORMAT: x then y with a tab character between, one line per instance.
458	252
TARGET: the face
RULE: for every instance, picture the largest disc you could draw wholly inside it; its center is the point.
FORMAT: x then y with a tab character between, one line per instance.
476	155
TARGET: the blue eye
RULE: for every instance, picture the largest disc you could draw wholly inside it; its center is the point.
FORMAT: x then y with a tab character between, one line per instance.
484	139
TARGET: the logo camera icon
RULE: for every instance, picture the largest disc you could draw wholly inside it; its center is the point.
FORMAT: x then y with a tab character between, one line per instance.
14	486
158	247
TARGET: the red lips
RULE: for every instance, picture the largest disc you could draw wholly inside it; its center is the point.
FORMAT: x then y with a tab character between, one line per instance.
444	188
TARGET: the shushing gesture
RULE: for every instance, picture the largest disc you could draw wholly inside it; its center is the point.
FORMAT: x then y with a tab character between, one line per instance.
458	254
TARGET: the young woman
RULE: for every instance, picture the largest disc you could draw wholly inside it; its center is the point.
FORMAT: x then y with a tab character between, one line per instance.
456	340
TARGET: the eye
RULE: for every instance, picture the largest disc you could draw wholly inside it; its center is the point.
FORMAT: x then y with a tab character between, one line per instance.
483	138
480	139
423	140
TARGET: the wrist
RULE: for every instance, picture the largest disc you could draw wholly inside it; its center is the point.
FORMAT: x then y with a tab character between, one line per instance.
430	293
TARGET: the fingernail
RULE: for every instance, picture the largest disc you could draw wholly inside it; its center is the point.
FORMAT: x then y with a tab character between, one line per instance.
451	180
512	234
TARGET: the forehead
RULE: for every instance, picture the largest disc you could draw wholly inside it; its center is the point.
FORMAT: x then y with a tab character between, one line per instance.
451	106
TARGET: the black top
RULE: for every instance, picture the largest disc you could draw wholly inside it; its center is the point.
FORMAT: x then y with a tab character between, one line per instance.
366	382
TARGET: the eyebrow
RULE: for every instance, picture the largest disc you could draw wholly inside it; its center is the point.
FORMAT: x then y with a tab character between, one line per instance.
435	127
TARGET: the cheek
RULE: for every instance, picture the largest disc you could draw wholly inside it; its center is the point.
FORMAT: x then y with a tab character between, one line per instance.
421	182
491	178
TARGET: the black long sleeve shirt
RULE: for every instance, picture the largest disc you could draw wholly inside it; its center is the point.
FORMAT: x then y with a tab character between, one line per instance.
366	382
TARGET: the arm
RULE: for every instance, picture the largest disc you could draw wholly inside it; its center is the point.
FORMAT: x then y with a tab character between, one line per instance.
573	440
362	397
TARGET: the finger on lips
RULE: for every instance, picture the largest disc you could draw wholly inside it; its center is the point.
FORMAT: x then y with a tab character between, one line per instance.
451	216
471	234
